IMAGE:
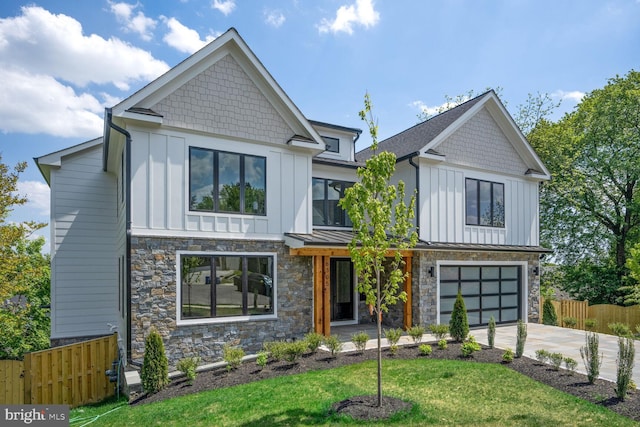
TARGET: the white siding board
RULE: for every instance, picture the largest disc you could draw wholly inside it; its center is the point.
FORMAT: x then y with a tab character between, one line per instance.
176	196
139	179
288	203
157	180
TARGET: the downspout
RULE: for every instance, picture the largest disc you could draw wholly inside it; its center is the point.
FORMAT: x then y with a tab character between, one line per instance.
127	199
417	207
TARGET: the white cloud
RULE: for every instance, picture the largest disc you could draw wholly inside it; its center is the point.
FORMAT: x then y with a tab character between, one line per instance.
437	109
37	103
275	18
184	38
574	96
55	45
361	13
137	23
37	194
225	6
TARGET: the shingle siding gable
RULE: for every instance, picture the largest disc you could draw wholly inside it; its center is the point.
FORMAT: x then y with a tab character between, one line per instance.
223	100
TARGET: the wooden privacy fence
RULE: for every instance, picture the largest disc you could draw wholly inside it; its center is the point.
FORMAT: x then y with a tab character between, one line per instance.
71	375
603	313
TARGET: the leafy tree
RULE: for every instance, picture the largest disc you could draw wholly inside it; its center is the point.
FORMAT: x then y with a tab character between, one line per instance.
453	101
382	227
633	264
24	276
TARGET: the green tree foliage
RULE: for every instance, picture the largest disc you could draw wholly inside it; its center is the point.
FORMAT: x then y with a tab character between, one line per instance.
633	288
382	226
549	316
459	323
24	276
155	367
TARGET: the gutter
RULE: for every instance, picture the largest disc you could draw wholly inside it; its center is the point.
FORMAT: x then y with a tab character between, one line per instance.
417	207
108	126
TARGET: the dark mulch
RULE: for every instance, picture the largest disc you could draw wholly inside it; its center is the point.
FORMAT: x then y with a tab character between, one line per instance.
601	392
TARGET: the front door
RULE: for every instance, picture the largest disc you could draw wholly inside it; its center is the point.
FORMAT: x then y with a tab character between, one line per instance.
342	301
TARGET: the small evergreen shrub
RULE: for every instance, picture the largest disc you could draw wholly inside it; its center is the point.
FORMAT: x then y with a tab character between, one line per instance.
491	332
442	344
155	366
542	355
624	363
549	316
521	338
570	322
188	367
590	324
439	331
590	356
507	356
459	323
638	330
425	349
416	332
262	359
359	340
570	364
556	360
294	350
314	340
333	344
393	336
470	346
233	356
620	329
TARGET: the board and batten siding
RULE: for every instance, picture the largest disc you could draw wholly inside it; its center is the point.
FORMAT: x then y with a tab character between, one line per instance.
160	189
84	266
442	208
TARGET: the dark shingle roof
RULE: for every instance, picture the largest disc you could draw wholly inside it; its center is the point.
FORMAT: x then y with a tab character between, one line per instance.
415	138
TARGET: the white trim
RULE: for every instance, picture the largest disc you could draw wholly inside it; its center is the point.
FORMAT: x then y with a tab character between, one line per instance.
196	234
233	319
524	298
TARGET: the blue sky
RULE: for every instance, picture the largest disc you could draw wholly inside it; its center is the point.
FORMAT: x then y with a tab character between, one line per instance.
62	62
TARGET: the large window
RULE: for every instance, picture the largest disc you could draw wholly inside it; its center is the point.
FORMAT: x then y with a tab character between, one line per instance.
326	195
218	286
227	182
485	203
332	144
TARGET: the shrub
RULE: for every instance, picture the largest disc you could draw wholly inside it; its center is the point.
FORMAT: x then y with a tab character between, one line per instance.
276	349
459	323
293	350
469	347
620	329
589	353
590	324
491	332
416	332
442	344
521	338
333	344
556	360
425	349
570	322
188	367
549	316
638	330
313	340
439	331
624	362
359	340
570	364
262	359
155	366
393	336
542	355
507	356
233	356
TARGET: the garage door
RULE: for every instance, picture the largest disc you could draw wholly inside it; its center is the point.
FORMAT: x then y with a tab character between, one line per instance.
487	291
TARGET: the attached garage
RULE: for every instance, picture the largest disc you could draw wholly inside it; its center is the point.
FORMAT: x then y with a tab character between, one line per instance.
488	290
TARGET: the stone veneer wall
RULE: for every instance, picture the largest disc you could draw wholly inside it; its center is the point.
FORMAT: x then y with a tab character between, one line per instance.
153	300
424	287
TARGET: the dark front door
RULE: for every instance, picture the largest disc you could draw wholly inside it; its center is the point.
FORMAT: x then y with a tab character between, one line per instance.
342	301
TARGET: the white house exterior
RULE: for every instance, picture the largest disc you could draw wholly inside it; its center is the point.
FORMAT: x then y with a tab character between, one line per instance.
208	210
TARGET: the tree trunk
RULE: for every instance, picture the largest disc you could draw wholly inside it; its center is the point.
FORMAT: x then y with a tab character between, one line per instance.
379	321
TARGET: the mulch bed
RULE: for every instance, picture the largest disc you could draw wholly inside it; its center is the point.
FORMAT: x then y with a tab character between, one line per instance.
601	392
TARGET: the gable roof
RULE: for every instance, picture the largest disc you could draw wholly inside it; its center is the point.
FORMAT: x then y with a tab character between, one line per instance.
54	160
424	138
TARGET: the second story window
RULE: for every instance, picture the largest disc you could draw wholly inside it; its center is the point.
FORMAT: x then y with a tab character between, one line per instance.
227	182
326	195
332	144
484	203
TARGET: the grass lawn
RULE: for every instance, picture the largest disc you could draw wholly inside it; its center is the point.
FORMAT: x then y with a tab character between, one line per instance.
445	392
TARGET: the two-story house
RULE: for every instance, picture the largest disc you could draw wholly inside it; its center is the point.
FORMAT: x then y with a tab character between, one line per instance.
208	210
